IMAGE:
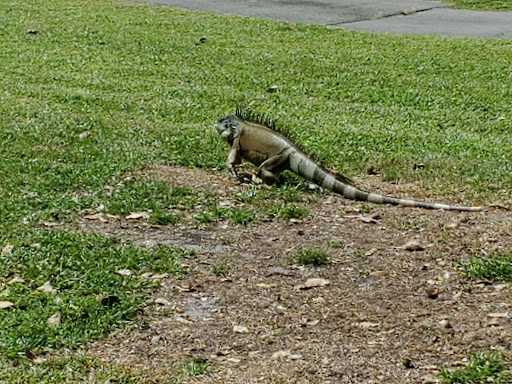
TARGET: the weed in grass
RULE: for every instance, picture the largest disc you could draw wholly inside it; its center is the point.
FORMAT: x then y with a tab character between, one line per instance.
241	215
215	213
494	268
404	224
220	269
160	217
194	367
311	256
336	243
289	211
482	367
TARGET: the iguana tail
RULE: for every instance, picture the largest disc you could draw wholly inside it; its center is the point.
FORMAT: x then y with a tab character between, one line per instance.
309	170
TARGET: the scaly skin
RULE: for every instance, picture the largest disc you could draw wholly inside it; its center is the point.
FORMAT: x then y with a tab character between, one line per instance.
272	153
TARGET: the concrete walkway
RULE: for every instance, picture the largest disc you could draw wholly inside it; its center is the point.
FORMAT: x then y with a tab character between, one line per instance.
383	16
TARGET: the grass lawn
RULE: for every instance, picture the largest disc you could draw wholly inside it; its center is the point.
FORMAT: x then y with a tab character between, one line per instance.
92	90
483	5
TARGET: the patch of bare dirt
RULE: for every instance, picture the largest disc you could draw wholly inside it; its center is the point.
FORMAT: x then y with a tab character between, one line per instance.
393	309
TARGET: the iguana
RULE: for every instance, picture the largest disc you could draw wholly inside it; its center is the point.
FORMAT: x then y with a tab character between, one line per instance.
258	142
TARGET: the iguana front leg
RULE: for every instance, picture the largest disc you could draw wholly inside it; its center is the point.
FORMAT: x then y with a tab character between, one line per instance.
234	159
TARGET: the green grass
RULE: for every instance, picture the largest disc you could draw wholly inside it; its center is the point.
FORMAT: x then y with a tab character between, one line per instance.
82	369
483	5
68	370
311	256
90	295
220	269
493	268
136	79
482	367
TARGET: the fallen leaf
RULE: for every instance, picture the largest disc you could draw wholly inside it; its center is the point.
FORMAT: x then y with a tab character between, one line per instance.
162	301
498	315
96	216
181	319
159	276
279	355
6	304
16	280
47	287
155	339
413	245
264	285
191	288
138	215
7	250
48	224
368	325
233	360
452	225
314	282
85	134
54	320
124	272
371	219
240	329
493	322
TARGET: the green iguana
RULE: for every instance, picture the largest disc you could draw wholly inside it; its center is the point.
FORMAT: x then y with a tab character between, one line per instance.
273	153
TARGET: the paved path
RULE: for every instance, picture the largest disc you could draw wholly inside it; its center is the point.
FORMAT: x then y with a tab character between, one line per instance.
386	16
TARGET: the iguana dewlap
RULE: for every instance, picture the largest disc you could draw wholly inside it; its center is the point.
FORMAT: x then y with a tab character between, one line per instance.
274	153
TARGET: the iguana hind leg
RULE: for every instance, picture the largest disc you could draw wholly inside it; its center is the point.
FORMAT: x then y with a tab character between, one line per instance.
270	169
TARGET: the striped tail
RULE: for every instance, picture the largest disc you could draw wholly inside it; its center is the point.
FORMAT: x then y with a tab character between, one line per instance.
308	169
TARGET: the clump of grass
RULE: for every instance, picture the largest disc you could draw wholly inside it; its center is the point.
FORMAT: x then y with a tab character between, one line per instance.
290	211
220	269
241	215
493	268
195	367
163	218
236	215
483	367
311	256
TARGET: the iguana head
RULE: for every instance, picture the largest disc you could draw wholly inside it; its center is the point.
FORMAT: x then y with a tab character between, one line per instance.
227	127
